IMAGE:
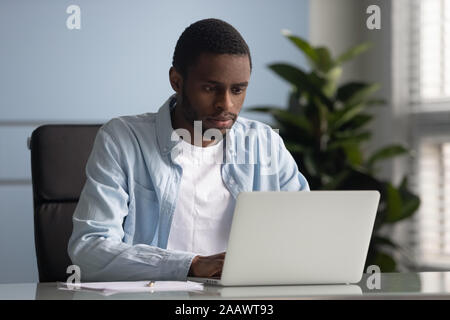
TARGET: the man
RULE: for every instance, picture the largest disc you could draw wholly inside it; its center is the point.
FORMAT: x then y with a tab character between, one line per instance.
150	209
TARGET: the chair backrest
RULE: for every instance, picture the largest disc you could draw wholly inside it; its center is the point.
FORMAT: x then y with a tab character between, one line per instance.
58	158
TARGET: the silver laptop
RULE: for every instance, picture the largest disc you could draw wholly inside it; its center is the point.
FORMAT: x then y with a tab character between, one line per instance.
287	238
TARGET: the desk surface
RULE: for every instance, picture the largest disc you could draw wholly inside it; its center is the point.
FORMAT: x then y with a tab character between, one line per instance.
425	285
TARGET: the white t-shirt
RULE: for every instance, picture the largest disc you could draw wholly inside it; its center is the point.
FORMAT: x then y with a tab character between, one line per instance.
202	219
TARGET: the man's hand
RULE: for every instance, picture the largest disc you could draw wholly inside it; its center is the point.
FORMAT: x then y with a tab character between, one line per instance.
207	266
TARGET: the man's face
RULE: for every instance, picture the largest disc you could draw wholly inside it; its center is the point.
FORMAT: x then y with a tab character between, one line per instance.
214	90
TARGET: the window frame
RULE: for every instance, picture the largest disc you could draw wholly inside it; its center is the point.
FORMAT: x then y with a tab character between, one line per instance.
423	119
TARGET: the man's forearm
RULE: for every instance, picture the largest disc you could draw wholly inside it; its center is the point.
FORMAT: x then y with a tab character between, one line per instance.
101	259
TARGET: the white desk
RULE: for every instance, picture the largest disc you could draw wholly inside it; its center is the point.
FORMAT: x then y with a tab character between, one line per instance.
426	285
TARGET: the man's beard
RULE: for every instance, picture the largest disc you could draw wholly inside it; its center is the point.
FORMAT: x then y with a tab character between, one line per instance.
188	112
190	115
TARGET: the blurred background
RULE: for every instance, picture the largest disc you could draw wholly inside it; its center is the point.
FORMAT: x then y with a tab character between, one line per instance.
117	63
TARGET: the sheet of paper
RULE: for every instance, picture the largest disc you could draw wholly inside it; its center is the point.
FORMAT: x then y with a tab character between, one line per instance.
108	288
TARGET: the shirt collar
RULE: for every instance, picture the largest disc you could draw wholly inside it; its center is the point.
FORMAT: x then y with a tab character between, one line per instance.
164	125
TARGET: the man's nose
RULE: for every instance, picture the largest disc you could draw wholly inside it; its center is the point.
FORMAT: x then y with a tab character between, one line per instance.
225	101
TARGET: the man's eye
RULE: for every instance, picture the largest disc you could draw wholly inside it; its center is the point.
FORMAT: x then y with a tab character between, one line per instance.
209	88
237	90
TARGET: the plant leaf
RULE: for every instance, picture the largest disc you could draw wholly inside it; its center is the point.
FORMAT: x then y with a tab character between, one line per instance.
267	109
298	121
361	94
353	153
304	46
357	122
394	204
286	117
337	180
353	52
345	115
332	78
310	165
294	147
347	90
382	241
299	79
411	202
349	139
401	203
385	153
384	261
358	179
325	62
294	104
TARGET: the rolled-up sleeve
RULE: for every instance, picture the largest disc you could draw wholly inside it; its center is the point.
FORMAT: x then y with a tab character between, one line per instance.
96	244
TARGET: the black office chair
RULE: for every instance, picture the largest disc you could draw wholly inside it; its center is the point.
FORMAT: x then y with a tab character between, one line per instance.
58	158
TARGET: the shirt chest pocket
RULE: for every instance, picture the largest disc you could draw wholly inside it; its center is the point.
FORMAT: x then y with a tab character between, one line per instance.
143	215
143	193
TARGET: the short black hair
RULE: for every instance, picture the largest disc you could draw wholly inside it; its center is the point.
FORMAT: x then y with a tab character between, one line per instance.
207	36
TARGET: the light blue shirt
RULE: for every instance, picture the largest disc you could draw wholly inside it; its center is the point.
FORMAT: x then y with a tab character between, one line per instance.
122	221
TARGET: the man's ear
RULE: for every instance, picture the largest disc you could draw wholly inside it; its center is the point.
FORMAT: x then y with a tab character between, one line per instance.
176	80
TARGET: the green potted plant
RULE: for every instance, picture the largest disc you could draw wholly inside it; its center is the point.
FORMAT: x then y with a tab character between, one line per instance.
325	128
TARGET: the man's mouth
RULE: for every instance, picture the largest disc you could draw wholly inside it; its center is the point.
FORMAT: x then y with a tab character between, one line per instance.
220	122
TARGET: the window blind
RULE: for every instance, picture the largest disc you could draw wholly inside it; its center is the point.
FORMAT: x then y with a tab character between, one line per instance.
429	88
433	217
430	51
